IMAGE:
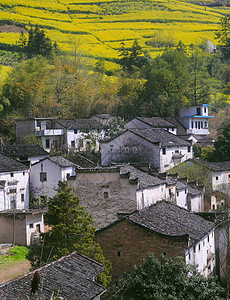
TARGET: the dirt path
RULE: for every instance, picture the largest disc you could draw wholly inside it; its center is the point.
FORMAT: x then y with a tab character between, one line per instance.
10	271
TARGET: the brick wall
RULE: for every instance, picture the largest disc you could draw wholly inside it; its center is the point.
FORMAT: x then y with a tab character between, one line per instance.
125	244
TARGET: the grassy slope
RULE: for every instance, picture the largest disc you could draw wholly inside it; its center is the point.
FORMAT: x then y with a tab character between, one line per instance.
97	28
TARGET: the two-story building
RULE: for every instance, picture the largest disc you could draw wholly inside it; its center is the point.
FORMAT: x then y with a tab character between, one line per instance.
80	135
14	184
109	192
161	149
45	175
195	119
163	228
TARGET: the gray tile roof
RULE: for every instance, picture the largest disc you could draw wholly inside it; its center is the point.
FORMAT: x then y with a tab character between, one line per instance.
193	190
180	128
70	277
61	161
156	122
214	166
142	178
157	135
23	150
81	161
8	164
171	220
81	124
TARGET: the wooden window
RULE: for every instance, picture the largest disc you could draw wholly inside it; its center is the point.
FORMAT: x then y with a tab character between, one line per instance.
31	226
106	195
163	151
189	148
11	174
22	197
43	176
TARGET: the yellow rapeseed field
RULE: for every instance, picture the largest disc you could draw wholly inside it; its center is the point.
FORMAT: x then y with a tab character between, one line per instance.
97	28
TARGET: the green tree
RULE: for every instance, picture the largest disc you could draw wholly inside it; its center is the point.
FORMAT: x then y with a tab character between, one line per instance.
223	36
222	144
208	153
32	139
166	278
132	60
71	230
166	87
37	44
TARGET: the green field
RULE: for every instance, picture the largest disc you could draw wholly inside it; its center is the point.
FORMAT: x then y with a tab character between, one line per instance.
97	28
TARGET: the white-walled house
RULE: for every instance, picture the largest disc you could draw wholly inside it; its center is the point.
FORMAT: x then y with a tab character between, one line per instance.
70	135
195	119
111	191
218	173
46	174
202	252
163	229
14	184
82	134
153	122
161	149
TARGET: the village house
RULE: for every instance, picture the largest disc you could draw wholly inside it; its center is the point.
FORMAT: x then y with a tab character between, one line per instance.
108	192
46	174
25	153
195	119
70	277
69	135
161	149
217	174
154	122
14	184
21	227
192	124
163	228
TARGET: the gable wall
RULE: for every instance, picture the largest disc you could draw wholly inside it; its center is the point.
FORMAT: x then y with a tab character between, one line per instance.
90	188
134	243
42	188
149	196
127	148
23	128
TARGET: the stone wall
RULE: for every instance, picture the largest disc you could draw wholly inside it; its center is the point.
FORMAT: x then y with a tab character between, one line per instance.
104	194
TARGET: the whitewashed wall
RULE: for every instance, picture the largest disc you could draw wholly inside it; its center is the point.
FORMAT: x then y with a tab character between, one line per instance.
200	254
20	183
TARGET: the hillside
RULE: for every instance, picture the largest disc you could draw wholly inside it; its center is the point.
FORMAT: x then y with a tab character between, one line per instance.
97	28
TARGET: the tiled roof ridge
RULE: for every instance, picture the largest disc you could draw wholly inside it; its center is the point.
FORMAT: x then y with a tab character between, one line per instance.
24	167
147	119
53	263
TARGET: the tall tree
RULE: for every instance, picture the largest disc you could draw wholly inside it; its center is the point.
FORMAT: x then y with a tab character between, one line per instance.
223	36
166	279
71	230
166	87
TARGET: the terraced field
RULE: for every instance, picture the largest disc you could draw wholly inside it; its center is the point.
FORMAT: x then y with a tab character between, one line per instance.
97	28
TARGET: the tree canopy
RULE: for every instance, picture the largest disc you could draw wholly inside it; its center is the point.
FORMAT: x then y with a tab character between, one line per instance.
37	43
71	230
166	278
